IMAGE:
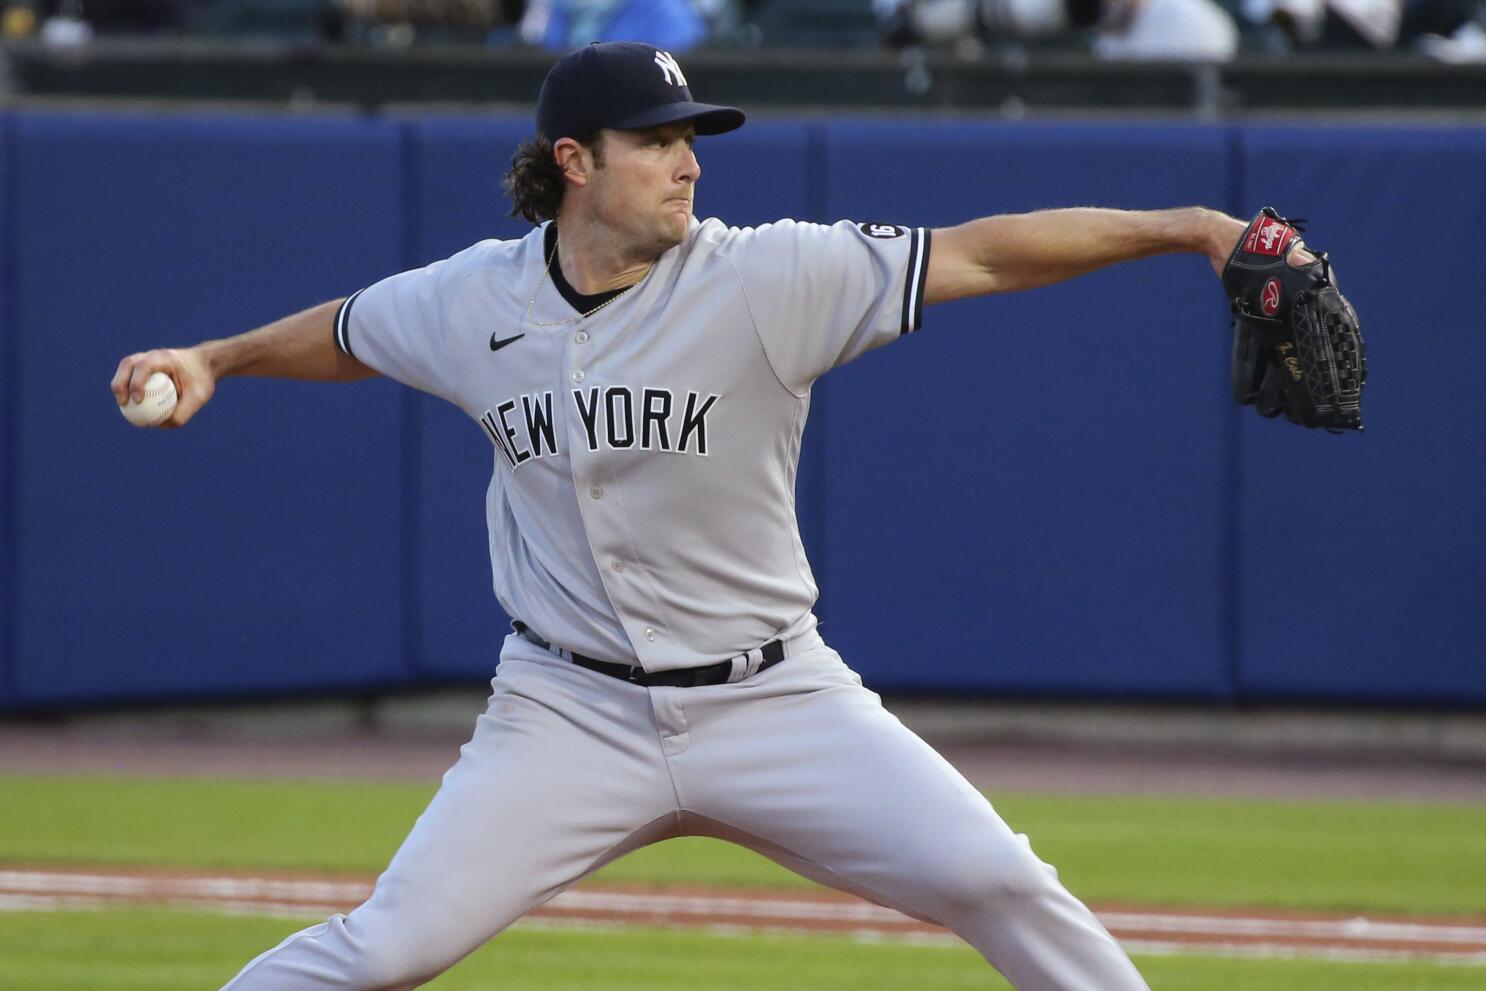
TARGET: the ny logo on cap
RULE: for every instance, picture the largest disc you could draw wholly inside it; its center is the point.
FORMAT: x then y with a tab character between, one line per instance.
667	63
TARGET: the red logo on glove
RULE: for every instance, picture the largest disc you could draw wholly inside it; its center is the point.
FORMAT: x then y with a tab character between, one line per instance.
1269	237
1269	297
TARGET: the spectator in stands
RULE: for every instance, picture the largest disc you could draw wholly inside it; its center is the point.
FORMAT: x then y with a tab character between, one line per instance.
562	25
1447	29
1190	30
1450	35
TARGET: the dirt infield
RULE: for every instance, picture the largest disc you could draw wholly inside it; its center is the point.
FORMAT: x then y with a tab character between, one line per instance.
207	749
1142	930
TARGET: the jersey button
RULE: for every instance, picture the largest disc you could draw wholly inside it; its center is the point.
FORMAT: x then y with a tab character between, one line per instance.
649	634
617	565
581	337
578	375
596	492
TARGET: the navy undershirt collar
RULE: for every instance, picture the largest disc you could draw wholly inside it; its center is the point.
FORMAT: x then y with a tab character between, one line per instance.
577	300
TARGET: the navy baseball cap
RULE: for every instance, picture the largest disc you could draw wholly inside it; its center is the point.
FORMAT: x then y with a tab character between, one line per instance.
623	85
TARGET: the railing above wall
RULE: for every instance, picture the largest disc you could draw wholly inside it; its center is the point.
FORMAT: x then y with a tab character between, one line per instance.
1005	84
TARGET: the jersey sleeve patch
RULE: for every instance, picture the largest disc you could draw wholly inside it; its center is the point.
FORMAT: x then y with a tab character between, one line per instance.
882	232
913	282
343	324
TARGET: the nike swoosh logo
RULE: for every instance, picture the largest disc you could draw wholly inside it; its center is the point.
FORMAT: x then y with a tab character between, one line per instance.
496	345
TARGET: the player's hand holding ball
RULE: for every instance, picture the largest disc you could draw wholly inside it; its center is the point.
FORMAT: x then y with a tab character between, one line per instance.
158	402
145	387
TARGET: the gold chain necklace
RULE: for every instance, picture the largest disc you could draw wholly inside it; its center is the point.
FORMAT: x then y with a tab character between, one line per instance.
558	323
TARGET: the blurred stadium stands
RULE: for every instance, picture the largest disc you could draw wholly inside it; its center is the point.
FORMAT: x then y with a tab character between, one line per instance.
1015	56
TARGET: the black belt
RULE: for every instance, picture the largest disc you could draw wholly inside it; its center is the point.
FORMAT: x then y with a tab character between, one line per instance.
711	674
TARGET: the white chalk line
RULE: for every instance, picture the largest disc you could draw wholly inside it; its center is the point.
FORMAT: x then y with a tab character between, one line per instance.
1225	935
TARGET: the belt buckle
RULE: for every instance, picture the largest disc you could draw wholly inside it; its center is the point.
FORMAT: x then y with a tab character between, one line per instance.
634	674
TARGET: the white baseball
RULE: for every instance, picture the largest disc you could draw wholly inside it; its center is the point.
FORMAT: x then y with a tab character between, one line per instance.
157	404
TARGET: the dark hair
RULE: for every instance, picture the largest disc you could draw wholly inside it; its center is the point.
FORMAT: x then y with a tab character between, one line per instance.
535	183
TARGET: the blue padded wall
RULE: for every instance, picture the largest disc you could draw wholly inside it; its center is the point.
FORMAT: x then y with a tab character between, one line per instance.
7	419
1379	535
258	549
1028	494
1046	492
754	175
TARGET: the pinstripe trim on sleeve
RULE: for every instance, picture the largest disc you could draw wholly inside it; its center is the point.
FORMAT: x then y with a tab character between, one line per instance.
923	278
913	281
343	324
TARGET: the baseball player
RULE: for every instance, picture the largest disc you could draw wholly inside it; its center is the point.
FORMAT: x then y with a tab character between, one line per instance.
643	380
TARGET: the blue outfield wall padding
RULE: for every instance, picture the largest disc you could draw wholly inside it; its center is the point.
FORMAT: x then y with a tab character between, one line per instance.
1039	493
257	550
8	242
1027	495
748	177
1363	557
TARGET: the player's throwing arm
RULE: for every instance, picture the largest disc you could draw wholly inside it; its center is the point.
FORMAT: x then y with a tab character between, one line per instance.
301	346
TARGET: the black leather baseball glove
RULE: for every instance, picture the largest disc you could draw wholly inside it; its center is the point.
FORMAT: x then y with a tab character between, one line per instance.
1297	344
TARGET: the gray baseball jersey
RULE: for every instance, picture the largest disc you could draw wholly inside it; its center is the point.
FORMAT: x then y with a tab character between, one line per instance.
642	501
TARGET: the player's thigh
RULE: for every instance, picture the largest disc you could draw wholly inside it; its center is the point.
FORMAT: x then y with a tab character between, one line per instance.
817	770
562	769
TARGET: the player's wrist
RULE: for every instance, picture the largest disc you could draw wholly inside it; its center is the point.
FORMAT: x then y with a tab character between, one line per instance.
1215	234
213	358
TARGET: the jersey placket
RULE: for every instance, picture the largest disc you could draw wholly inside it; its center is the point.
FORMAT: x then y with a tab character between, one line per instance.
616	547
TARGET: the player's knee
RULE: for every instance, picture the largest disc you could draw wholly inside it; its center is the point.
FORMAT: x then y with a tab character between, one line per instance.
394	967
391	960
999	878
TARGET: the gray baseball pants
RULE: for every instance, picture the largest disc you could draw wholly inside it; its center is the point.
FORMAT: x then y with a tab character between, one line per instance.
569	769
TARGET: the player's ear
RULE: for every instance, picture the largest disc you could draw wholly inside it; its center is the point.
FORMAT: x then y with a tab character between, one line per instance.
571	160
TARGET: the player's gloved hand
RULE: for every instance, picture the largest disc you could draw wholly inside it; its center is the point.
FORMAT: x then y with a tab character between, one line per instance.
1223	233
1297	342
195	382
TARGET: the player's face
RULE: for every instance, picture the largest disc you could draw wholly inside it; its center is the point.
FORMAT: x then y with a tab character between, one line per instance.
646	187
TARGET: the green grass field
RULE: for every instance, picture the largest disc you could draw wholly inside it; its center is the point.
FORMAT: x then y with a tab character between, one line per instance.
177	951
1345	856
1365	857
